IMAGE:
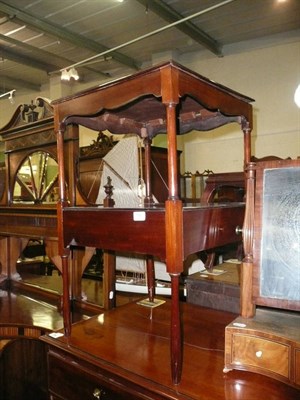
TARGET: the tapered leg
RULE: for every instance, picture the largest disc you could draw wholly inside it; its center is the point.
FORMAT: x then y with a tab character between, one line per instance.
150	278
176	332
66	304
109	280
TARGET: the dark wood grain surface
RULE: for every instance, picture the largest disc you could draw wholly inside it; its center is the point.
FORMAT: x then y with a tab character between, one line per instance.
131	343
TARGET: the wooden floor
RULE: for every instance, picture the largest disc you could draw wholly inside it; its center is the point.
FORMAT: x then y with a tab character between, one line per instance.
204	358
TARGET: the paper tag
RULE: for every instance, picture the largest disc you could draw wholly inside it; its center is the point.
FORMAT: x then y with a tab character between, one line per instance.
56	335
150	304
239	325
139	216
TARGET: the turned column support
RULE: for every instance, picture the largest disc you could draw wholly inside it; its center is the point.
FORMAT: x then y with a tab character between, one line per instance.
247	307
149	195
174	243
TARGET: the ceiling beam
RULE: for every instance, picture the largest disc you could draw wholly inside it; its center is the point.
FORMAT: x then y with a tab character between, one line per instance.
170	15
60	62
22	59
11	83
64	34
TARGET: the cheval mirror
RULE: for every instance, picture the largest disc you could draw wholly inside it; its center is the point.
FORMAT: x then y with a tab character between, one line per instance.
266	340
276	273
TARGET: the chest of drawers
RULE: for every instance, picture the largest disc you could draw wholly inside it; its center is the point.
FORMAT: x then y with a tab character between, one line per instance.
268	344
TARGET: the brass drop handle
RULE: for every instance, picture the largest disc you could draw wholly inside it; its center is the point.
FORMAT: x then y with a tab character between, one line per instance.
97	393
238	230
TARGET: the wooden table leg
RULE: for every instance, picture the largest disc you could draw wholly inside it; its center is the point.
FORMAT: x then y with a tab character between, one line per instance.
109	280
150	278
66	296
176	331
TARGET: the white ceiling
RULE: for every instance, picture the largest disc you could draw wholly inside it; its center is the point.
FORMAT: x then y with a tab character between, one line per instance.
40	37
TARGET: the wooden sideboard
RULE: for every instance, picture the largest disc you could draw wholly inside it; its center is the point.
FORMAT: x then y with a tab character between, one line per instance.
27	209
29	193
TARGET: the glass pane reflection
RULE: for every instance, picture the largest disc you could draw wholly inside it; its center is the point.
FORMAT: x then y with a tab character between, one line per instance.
36	180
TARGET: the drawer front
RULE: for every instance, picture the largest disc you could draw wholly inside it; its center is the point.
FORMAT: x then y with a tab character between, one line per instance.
67	381
297	367
260	353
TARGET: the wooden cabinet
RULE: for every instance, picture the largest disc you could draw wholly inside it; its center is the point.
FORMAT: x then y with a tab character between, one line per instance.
268	344
28	185
23	373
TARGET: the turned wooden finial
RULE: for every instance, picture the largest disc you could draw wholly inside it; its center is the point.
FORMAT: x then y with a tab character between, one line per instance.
108	188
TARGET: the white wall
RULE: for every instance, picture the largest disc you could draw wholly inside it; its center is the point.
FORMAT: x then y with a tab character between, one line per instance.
270	76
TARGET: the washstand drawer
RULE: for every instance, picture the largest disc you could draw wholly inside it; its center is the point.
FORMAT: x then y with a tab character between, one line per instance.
260	353
70	382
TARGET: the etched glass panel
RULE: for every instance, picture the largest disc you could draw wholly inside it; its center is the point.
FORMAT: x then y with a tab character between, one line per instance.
280	245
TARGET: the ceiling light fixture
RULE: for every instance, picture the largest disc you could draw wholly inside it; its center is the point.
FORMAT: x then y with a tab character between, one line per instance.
67	75
74	74
10	95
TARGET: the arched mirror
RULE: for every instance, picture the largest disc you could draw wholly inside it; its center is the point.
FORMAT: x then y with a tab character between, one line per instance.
36	180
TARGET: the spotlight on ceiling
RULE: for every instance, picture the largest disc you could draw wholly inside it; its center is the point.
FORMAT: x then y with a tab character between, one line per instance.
10	95
74	74
67	75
